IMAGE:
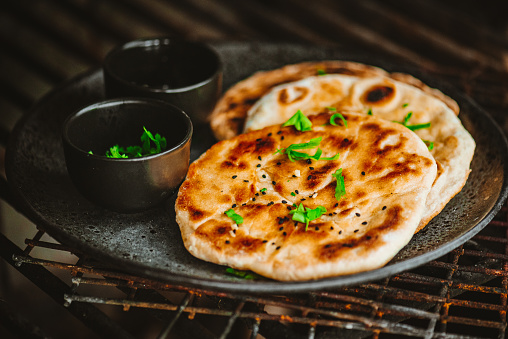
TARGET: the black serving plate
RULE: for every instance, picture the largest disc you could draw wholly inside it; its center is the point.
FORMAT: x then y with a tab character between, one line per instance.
149	243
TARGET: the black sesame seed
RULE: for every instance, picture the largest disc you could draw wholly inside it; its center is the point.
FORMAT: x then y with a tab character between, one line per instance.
284	233
309	161
384	207
279	163
294	175
346	139
296	223
233	206
227	241
330	214
259	157
234	176
263	176
336	204
259	165
331	228
364	223
317	228
296	191
279	132
246	181
263	192
328	246
277	248
265	241
281	228
234	231
289	208
253	199
281	221
284	201
309	177
244	204
259	139
311	168
281	138
363	173
273	183
368	237
270	134
340	232
303	199
356	231
273	243
256	194
357	214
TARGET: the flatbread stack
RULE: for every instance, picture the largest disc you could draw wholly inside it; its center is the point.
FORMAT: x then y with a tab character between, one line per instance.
341	197
272	97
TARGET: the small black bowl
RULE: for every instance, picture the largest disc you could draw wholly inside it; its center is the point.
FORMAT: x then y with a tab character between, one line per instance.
131	184
185	73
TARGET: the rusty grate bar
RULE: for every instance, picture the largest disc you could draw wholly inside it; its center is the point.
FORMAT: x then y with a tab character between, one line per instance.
433	301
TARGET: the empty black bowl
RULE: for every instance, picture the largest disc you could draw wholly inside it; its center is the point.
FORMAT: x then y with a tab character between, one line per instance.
185	73
126	184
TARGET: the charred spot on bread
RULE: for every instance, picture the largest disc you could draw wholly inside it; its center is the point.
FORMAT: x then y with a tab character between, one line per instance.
379	94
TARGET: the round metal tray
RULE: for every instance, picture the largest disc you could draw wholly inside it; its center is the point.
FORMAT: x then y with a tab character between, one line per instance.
149	244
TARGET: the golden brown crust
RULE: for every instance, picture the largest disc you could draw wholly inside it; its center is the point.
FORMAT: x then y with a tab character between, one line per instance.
387	171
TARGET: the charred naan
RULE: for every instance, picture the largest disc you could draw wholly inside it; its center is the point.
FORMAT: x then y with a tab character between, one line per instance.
228	117
387	171
357	87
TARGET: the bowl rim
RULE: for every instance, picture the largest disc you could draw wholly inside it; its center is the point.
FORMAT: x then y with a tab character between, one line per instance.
160	41
120	101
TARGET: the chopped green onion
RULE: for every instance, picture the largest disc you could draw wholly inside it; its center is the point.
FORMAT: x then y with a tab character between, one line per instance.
300	121
340	189
430	144
412	127
305	215
147	138
294	155
243	274
369	112
337	115
321	72
235	217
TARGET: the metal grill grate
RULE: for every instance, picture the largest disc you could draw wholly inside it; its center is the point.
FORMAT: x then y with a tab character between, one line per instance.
461	295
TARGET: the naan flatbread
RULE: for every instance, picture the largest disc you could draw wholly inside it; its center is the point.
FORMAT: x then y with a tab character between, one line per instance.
387	98
228	118
388	173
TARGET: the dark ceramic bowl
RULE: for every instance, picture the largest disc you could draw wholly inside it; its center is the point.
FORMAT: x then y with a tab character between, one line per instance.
184	73
136	183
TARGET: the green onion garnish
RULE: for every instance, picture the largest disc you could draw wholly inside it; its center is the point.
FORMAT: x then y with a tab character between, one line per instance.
235	217
300	121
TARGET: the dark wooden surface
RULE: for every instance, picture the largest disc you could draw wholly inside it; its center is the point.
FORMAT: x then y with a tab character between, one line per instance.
45	42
